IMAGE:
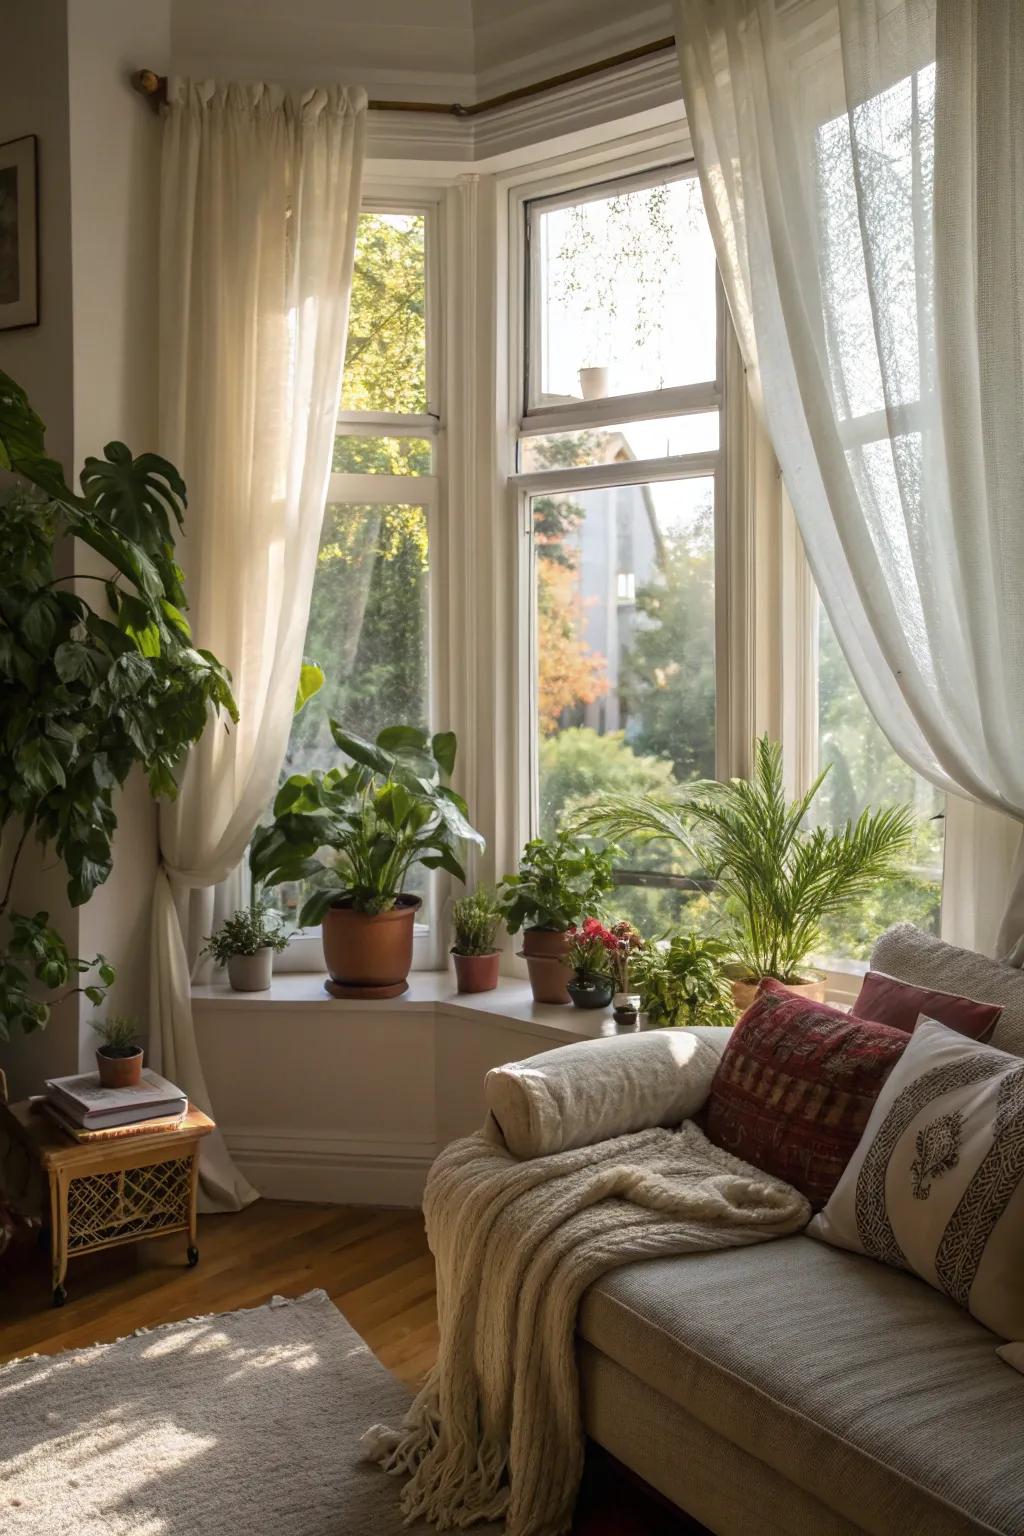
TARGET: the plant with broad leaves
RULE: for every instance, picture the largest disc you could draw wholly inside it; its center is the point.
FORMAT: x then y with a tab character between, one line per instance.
558	883
683	981
389	810
36	960
86	693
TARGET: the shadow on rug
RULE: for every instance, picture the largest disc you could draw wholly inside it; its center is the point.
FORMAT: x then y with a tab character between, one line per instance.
245	1423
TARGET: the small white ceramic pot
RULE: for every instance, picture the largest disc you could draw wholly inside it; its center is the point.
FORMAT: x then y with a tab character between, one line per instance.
251	973
594	383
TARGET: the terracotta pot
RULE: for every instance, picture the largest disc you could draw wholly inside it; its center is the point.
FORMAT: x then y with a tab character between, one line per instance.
744	992
251	973
119	1071
552	943
476	973
369	956
548	977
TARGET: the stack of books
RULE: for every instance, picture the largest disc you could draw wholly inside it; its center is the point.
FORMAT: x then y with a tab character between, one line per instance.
87	1111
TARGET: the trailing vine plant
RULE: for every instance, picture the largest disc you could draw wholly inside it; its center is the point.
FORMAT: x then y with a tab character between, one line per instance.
90	686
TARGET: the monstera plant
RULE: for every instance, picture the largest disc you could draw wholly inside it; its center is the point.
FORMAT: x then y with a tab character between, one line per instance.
91	686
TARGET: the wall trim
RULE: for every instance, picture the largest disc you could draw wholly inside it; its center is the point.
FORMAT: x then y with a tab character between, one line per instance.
338	1170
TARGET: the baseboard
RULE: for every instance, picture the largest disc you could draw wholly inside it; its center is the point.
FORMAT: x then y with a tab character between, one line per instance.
338	1170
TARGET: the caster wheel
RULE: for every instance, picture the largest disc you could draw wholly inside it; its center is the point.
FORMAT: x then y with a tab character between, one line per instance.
193	1257
60	1296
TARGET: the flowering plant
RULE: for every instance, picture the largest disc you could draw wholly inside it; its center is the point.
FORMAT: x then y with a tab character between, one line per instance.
595	950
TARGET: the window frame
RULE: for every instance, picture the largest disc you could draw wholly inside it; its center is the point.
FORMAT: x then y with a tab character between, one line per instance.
305	950
569	187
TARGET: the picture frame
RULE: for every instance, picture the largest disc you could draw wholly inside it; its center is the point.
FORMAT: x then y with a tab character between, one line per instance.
19	234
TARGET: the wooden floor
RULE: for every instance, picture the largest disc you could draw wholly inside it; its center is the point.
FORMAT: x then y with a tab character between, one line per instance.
375	1266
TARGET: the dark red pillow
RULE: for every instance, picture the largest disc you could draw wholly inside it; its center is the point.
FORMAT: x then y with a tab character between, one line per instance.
795	1086
885	1000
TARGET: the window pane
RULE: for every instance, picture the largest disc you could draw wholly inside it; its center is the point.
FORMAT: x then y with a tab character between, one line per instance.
625	283
382	455
625	612
386	355
662	438
368	630
866	772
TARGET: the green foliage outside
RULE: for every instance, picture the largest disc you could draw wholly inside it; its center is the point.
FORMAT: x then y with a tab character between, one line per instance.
88	690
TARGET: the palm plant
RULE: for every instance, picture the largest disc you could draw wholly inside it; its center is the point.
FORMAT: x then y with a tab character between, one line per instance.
776	881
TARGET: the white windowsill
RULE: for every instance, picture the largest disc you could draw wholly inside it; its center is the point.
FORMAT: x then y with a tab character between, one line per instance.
430	992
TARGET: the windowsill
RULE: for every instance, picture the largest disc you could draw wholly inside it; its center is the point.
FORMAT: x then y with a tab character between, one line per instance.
430	992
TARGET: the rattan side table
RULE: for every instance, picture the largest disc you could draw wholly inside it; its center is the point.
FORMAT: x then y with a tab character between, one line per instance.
118	1190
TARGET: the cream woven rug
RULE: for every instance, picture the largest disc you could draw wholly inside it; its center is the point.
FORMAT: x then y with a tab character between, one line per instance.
245	1424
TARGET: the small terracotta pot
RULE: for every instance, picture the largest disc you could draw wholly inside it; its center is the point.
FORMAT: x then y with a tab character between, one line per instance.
552	943
251	973
744	992
476	973
369	956
119	1071
549	977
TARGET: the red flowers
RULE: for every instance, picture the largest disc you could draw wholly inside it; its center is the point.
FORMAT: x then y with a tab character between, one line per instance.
596	950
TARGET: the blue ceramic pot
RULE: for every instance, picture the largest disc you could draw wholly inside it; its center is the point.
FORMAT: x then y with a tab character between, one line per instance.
590	991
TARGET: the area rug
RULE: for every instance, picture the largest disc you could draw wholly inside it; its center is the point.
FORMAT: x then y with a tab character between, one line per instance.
246	1423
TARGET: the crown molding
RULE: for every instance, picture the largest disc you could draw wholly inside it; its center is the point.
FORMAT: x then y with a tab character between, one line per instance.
647	88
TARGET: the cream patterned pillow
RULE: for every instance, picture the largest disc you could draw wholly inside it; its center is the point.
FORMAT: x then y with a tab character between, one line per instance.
936	1184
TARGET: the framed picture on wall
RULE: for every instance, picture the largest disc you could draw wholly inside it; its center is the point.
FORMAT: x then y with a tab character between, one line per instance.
19	248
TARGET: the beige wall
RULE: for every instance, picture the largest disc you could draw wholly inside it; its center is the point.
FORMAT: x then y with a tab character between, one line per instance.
90	369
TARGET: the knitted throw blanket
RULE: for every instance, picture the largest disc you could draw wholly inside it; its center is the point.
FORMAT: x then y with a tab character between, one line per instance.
496	1431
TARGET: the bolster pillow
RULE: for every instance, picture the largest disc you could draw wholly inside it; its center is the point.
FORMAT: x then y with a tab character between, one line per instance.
586	1092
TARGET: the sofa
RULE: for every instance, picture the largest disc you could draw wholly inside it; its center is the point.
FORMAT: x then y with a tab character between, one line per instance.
796	1388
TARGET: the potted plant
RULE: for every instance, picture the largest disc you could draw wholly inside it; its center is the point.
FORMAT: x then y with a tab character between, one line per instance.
775	878
356	832
558	883
476	920
625	1004
246	943
589	955
683	981
86	693
119	1058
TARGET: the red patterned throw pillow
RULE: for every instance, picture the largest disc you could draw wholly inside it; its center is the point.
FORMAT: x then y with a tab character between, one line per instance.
796	1085
885	1000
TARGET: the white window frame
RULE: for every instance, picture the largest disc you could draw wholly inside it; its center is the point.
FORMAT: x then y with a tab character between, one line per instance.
305	951
569	187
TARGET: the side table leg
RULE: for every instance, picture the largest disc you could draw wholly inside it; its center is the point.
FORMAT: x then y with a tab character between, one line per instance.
192	1253
58	1236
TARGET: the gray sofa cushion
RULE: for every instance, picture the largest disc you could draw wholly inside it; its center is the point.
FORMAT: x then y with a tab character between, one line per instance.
865	1388
910	955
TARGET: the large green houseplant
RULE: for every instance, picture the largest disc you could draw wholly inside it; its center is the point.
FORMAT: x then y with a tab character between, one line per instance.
776	879
88	689
355	832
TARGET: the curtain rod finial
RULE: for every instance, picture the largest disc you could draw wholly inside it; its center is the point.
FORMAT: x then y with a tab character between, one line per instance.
150	84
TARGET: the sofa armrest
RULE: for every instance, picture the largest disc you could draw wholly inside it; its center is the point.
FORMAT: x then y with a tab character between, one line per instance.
584	1093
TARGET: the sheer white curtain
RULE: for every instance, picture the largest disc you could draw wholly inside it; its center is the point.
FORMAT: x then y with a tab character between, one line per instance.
259	204
862	163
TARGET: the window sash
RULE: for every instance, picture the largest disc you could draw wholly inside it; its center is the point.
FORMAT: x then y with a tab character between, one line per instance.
623	407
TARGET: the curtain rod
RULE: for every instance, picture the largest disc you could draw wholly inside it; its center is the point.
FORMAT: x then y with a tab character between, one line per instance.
155	86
